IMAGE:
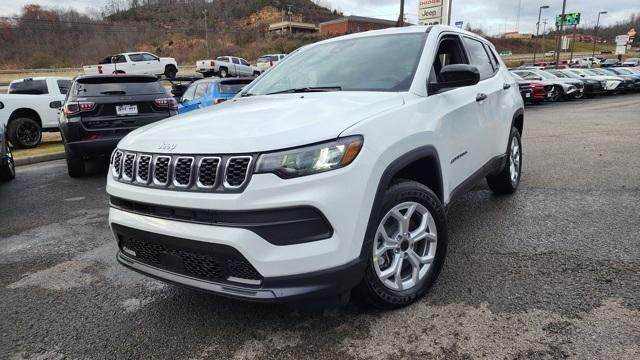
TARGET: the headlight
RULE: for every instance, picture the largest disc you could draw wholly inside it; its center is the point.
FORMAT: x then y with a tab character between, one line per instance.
311	159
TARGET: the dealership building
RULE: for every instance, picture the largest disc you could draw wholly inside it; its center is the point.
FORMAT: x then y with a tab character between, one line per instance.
354	24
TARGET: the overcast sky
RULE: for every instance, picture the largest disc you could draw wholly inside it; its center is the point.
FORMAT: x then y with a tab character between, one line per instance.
492	15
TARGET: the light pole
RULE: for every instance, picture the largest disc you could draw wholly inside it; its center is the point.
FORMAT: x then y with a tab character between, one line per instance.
206	32
544	30
535	46
593	54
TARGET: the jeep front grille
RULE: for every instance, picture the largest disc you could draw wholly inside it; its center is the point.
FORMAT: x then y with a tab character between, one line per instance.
217	173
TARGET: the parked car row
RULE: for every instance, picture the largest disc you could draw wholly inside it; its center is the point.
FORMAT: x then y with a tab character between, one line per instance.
537	85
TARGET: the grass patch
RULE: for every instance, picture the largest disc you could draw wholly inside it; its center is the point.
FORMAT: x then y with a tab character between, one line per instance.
51	143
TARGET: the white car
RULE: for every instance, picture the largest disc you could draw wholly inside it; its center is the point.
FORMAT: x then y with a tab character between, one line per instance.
267	61
224	66
328	173
31	107
134	63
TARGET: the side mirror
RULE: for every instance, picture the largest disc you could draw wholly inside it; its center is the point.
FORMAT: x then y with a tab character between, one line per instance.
455	76
55	104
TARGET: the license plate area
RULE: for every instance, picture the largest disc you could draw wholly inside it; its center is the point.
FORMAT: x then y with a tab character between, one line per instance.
126	110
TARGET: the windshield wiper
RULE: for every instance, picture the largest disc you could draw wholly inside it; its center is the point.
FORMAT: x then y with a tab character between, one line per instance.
114	92
308	89
245	94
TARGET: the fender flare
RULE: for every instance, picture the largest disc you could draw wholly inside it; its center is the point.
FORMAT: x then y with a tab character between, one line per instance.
385	181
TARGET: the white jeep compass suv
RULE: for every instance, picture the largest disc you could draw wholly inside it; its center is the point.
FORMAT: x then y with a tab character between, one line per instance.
331	172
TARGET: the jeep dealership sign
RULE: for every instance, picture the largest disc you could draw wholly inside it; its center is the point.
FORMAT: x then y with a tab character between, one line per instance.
434	12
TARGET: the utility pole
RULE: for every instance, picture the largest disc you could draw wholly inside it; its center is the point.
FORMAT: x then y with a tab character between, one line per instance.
518	18
544	30
206	32
595	36
400	22
290	13
559	45
573	42
535	46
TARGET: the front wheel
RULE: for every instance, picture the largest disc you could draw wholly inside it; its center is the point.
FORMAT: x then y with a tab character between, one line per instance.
556	94
507	181
408	250
8	167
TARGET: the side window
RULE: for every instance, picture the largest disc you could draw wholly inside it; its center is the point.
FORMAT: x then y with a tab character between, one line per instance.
136	57
29	87
479	58
493	57
120	59
235	60
449	52
63	86
189	94
149	57
244	62
201	91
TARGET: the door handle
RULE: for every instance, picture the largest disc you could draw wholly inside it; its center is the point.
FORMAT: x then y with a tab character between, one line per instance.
481	97
506	86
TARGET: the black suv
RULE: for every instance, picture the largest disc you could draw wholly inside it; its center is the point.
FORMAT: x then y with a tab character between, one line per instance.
100	110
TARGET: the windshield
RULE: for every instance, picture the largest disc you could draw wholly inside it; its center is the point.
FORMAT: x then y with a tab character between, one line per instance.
376	63
623	71
570	74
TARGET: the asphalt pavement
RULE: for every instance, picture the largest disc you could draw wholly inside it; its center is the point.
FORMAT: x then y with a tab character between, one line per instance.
551	272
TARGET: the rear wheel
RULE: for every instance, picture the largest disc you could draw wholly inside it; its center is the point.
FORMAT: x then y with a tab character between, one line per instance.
24	133
75	166
223	73
256	73
8	167
407	253
507	181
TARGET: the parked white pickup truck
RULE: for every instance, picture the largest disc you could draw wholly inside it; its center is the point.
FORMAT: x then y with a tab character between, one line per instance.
224	66
140	63
267	61
30	107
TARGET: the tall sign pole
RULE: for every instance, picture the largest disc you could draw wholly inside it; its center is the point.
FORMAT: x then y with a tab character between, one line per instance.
401	17
434	12
559	45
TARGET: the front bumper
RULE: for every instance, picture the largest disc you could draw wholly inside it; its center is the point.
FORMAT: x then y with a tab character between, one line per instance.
345	207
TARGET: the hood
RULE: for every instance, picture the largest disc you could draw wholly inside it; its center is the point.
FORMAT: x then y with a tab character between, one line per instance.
261	123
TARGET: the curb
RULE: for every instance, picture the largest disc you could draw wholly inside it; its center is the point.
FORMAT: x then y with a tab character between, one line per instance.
39	158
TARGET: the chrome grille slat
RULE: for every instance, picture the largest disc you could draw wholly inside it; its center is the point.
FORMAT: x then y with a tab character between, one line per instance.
116	170
203	173
183	171
128	166
236	171
143	168
208	170
161	170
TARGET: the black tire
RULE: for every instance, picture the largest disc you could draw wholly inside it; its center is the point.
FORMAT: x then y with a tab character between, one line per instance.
207	74
170	72
8	167
75	166
502	183
256	73
119	72
223	73
24	133
371	289
578	95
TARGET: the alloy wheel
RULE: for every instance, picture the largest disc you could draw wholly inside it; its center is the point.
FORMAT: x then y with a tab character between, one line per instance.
405	246
28	133
514	163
